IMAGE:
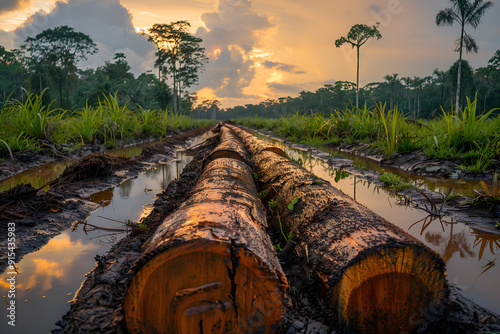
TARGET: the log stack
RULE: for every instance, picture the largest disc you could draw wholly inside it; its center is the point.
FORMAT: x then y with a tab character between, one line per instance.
379	279
210	267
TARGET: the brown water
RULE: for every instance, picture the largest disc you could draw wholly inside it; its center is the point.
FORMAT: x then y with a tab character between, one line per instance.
48	279
438	184
470	254
41	175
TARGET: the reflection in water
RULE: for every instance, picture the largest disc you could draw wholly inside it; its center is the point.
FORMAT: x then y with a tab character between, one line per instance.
38	176
486	240
49	277
103	198
438	184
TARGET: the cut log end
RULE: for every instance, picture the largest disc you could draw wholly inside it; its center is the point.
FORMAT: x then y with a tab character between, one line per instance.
387	291
203	286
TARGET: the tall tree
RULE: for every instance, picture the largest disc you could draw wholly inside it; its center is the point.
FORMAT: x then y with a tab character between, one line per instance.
181	52
393	82
12	73
62	47
463	12
441	81
418	84
357	37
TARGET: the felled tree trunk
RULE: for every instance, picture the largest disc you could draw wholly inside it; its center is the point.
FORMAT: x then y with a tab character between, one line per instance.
210	267
379	279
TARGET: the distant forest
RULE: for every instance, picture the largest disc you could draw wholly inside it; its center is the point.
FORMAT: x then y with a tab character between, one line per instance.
416	97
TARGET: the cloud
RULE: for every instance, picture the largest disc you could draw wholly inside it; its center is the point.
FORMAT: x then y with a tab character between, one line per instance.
11	5
279	88
107	22
282	67
6	39
234	29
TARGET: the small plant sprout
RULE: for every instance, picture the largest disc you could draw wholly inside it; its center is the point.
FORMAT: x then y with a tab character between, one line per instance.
286	237
272	203
293	202
264	194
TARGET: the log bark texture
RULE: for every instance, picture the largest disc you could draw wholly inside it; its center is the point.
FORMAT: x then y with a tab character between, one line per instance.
210	267
379	278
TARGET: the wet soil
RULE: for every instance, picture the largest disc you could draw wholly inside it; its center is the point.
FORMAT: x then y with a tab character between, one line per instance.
97	307
419	163
42	213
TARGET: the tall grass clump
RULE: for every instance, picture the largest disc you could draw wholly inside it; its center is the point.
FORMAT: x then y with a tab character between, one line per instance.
118	120
389	123
88	122
33	118
149	121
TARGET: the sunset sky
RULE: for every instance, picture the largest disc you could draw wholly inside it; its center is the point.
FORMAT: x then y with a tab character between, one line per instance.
263	49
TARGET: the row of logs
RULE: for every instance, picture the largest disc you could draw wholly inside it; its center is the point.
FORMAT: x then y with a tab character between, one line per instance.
211	267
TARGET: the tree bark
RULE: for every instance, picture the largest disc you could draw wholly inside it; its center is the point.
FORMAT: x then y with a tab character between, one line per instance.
210	267
357	80
457	103
375	277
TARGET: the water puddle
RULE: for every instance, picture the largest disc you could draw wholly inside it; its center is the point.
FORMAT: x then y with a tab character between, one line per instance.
41	175
438	184
48	278
470	254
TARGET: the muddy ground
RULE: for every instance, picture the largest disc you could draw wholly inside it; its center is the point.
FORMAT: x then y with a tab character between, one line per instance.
42	215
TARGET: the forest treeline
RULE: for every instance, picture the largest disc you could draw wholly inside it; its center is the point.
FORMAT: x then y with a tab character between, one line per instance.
55	73
416	97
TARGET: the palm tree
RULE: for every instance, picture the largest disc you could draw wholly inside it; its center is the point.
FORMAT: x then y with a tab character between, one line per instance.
393	82
408	84
464	12
441	80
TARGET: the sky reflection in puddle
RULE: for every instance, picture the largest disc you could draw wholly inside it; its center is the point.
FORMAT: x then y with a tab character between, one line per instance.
48	278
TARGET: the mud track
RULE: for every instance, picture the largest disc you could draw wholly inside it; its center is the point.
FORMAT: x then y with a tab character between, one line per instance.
41	215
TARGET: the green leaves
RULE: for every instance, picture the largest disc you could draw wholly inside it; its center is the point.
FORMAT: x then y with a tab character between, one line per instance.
359	35
293	202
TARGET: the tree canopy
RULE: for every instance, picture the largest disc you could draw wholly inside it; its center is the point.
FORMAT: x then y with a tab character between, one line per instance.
59	49
179	54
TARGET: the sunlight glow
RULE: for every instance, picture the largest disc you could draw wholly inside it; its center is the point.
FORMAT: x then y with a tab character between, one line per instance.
9	21
217	53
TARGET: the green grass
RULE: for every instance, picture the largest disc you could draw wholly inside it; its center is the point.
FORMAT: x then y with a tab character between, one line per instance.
394	182
30	124
464	137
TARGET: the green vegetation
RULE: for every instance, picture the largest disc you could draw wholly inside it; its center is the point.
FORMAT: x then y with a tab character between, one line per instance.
394	182
470	137
463	12
264	194
179	55
287	238
32	124
357	37
293	202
